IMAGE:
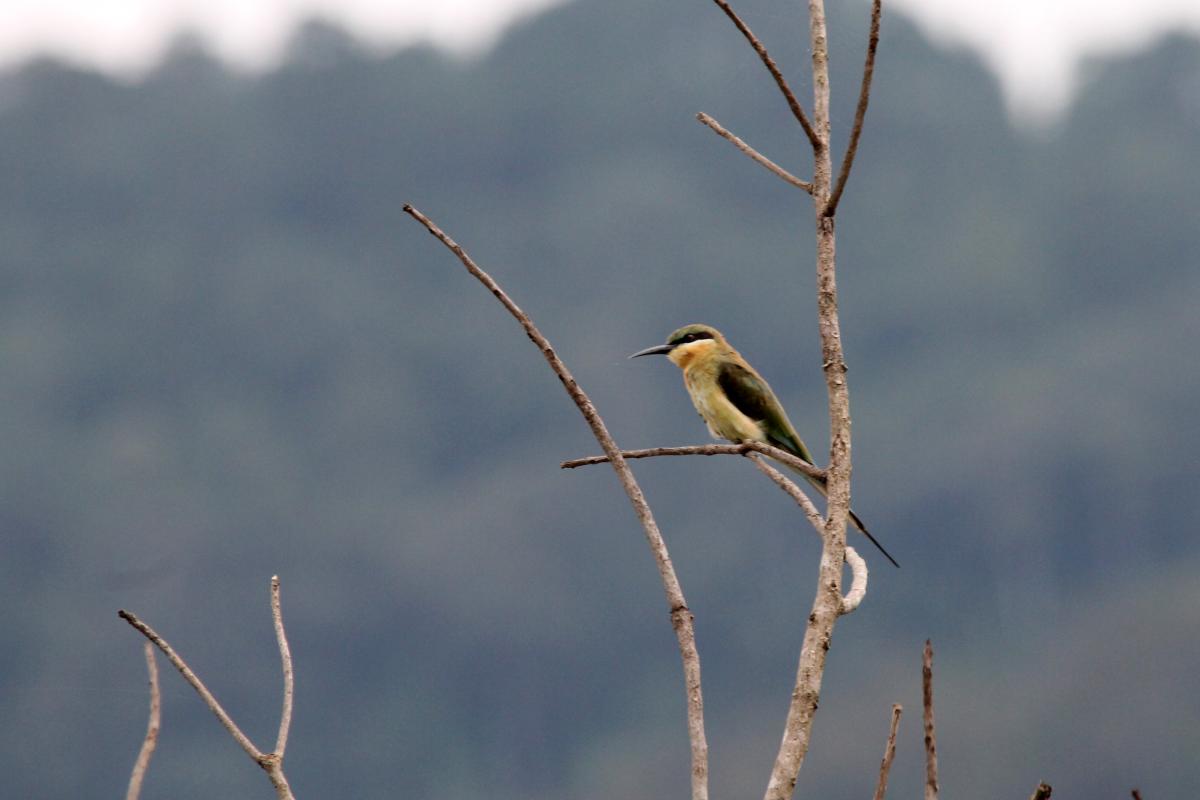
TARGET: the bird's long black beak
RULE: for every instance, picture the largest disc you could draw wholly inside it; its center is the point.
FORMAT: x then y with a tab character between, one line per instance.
657	350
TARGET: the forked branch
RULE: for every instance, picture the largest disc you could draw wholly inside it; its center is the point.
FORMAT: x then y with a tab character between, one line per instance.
754	155
681	616
828	602
858	567
272	763
793	491
817	142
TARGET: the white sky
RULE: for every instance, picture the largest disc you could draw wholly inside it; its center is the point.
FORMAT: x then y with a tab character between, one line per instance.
1034	45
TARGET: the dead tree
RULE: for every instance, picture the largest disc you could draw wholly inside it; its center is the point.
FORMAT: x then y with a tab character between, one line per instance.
826	189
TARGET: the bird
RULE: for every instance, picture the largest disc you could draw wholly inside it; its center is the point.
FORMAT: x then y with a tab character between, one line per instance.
734	401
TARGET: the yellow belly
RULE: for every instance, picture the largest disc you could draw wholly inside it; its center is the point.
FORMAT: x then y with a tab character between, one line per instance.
722	417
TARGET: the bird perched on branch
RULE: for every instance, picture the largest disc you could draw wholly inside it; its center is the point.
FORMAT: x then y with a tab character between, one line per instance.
734	401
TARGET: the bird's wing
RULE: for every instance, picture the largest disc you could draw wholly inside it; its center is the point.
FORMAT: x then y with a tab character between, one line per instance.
752	396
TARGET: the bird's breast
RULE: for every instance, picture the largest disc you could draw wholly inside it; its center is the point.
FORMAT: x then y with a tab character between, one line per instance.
724	420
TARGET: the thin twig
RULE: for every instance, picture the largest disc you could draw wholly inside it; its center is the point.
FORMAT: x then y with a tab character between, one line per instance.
864	96
285	656
931	768
196	684
793	491
797	111
681	615
782	456
889	753
753	154
151	741
1043	792
272	763
858	567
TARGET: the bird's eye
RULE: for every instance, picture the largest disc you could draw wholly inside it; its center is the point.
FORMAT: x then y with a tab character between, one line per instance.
691	337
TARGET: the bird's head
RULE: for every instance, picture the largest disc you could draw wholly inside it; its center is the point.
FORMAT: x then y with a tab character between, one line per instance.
686	343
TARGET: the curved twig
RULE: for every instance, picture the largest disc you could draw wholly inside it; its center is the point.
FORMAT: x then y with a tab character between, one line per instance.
272	763
793	491
285	656
858	581
864	96
152	727
817	142
753	154
681	616
858	567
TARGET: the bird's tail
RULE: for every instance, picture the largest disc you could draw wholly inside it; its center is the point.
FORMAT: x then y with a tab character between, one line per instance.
858	523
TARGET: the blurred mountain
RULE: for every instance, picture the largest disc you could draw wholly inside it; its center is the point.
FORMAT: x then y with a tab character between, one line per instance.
228	354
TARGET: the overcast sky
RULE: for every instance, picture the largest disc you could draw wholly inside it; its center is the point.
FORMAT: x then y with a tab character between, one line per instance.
1033	44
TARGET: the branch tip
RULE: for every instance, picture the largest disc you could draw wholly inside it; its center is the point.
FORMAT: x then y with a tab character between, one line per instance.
753	154
797	110
889	753
860	112
684	629
932	788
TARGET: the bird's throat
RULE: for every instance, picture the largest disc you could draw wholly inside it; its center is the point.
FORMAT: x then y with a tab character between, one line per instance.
683	355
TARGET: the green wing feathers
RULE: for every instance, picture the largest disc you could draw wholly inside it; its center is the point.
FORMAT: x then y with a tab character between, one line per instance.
752	396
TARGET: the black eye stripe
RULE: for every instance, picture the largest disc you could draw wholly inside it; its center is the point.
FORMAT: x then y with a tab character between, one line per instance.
692	337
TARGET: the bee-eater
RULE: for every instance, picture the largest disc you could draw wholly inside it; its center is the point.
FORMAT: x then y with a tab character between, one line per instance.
734	400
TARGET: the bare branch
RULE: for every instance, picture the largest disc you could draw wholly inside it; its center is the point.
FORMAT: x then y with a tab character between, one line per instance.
782	456
797	732
681	616
754	154
931	768
889	753
818	143
196	684
858	583
1043	792
864	96
151	741
285	656
272	763
793	491
827	604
